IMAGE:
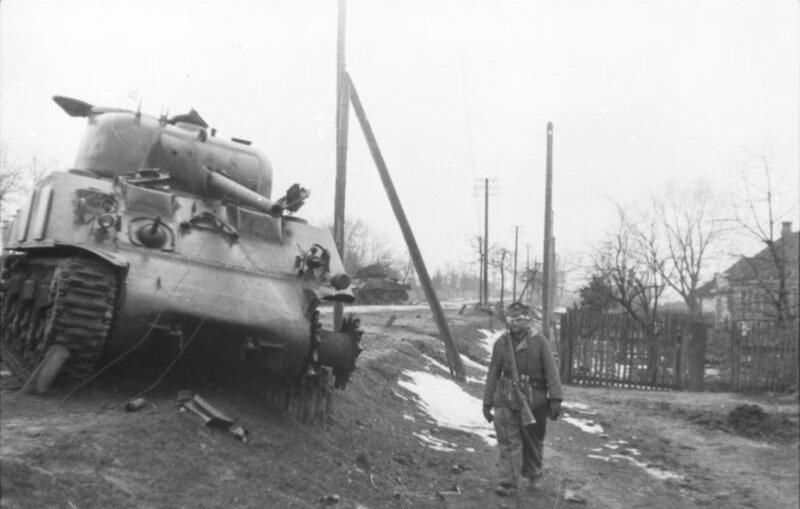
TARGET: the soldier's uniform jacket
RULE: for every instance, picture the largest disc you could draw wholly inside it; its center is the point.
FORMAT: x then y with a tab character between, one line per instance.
537	370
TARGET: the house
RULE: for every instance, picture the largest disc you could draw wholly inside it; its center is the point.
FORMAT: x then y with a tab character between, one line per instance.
763	287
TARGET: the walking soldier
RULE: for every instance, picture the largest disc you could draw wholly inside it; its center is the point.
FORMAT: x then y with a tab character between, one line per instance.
523	389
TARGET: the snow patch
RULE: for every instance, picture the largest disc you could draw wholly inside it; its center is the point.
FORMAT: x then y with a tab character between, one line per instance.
434	443
472	364
399	395
585	425
488	339
433	362
657	472
467	362
652	470
448	404
580	408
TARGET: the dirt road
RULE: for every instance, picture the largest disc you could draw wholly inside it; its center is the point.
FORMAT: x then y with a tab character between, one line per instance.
390	443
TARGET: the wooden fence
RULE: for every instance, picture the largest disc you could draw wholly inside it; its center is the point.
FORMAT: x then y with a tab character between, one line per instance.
761	356
613	350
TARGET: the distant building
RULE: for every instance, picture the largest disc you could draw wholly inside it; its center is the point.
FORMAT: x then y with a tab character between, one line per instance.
763	287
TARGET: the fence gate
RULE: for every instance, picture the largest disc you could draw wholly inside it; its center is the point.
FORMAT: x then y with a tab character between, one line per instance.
613	350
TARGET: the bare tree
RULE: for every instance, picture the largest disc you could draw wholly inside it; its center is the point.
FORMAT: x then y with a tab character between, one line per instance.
10	180
501	261
627	261
685	218
476	244
628	270
773	271
16	179
364	247
531	289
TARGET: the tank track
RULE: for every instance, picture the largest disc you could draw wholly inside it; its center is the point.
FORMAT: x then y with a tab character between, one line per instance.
78	313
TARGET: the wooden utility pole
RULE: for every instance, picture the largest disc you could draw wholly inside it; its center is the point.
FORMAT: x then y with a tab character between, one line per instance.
480	271
486	242
547	305
453	357
516	244
342	117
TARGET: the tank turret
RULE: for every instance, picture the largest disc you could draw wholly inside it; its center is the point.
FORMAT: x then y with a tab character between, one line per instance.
379	284
120	142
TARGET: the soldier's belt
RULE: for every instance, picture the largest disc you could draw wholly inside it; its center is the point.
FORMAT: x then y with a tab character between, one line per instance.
536	383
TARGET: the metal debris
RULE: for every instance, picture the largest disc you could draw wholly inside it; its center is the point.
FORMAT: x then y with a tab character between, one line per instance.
453	491
135	405
211	416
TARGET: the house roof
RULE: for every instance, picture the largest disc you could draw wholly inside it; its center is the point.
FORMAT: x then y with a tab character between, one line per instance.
706	289
762	264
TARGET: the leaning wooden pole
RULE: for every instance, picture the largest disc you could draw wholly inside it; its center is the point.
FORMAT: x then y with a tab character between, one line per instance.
547	305
342	117
453	357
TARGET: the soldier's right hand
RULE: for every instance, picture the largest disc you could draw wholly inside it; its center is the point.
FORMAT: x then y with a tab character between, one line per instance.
487	413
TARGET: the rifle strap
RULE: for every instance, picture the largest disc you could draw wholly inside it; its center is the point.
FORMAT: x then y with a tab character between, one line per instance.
524	431
513	353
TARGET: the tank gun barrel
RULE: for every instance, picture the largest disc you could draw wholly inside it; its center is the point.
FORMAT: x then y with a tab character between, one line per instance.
228	189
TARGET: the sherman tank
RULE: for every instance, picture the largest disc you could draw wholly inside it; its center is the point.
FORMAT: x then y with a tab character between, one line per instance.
163	232
374	284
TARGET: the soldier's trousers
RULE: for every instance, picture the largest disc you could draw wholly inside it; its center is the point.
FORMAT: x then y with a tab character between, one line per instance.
519	456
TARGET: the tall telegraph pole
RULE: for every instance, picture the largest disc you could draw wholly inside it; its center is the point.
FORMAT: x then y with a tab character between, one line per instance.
486	242
480	271
547	305
342	112
516	245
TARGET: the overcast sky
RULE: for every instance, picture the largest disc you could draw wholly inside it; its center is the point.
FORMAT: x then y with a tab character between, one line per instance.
643	94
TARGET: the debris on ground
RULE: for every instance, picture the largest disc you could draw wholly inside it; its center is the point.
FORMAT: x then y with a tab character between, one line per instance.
212	417
574	497
746	417
135	404
330	499
453	491
458	468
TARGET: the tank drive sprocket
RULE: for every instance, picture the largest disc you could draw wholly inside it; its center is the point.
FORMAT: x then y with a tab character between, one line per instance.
49	301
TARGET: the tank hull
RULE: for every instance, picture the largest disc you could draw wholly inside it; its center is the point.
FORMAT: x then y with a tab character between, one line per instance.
187	268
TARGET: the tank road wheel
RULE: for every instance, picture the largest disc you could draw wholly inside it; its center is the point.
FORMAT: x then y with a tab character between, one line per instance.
70	303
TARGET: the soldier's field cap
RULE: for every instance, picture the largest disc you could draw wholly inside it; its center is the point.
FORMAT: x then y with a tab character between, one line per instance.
518	310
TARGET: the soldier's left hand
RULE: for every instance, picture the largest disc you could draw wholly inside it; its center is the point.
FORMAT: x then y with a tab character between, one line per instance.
555	408
487	413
